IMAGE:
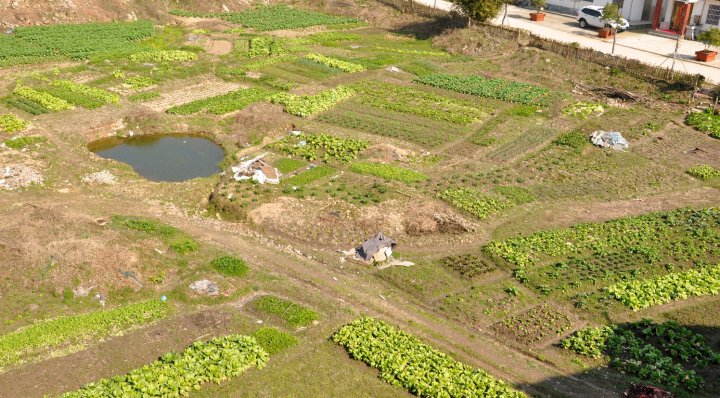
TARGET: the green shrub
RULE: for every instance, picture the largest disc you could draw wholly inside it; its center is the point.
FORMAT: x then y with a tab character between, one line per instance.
704	172
230	265
273	340
388	172
294	314
572	139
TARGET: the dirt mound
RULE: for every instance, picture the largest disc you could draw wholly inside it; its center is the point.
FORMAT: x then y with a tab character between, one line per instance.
432	218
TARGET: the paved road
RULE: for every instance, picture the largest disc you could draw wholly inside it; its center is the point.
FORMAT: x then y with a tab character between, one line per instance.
650	49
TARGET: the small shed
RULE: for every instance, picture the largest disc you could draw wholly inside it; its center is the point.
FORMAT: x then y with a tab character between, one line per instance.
376	249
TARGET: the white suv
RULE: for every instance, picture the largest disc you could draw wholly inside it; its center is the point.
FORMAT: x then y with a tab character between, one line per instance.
593	16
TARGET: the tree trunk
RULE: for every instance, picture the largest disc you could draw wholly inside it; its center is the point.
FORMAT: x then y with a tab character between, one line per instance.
504	14
612	52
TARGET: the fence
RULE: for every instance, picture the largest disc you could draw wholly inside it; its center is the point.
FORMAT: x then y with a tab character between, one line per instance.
630	66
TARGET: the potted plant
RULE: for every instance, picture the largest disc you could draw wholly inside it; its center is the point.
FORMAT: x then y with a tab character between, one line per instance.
538	15
711	38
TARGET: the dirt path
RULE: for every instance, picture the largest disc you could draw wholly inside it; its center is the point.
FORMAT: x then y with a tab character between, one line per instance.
219	47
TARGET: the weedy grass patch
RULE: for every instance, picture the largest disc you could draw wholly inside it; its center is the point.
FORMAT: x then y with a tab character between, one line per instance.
296	315
273	340
230	265
388	172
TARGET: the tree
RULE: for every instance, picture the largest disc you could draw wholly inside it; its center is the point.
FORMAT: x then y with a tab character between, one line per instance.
479	10
612	18
538	4
506	3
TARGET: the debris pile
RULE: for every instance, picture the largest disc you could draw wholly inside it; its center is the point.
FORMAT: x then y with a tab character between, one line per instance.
256	169
18	176
376	249
205	287
609	139
103	177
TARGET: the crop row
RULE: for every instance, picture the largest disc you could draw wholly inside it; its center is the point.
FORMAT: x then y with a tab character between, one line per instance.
267	18
344	66
164	56
534	325
653	352
405	361
321	146
92	92
222	104
387	123
412	101
474	202
77	41
641	294
306	177
505	90
177	374
388	172
308	105
614	235
27	105
73	97
10	123
46	100
65	331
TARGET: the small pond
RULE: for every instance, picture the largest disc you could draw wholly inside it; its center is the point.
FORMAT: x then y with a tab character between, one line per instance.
169	158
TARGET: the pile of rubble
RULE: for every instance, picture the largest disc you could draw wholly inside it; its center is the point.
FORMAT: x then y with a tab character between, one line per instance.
17	176
609	139
103	177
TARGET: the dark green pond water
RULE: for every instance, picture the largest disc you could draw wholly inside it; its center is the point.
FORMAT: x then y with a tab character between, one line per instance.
169	158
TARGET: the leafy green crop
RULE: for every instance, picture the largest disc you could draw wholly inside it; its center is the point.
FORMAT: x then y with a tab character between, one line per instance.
44	99
474	202
707	121
388	172
344	66
266	18
321	146
505	90
222	104
177	374
308	105
55	334
416	102
139	82
572	139
10	123
164	56
294	314
583	109
704	172
306	177
650	351
405	361
641	294
106	96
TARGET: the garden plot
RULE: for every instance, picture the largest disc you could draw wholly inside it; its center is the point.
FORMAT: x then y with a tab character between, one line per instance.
192	93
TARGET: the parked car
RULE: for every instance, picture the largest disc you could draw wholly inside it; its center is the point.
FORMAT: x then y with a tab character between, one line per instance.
593	16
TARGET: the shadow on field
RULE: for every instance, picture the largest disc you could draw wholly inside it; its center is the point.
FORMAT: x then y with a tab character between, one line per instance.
435	26
606	382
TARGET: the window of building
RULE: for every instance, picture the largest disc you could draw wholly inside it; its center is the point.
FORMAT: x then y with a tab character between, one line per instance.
713	14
